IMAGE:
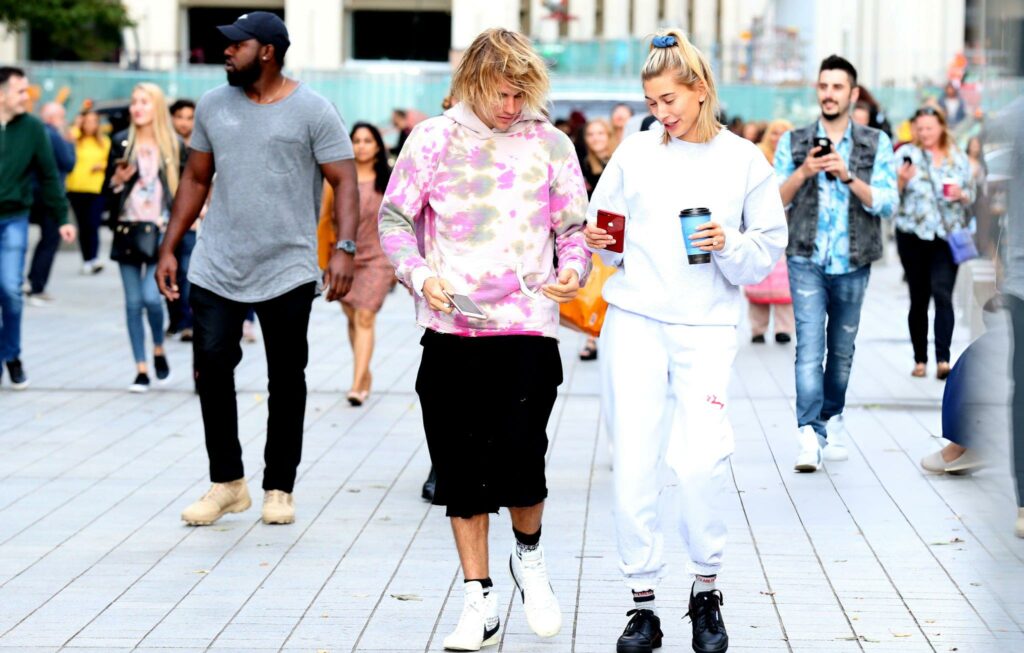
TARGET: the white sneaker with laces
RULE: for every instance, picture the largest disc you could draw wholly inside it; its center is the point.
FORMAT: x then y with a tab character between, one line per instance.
836	444
479	624
543	613
809	458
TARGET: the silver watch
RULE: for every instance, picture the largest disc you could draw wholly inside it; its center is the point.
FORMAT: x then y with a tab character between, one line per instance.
347	246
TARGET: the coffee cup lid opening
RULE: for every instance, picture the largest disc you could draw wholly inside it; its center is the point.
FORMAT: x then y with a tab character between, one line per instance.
697	211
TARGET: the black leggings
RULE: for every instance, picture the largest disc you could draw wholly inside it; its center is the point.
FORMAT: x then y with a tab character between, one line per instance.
1016	307
931	274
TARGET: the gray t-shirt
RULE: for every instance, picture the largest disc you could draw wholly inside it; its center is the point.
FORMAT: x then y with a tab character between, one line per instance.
258	240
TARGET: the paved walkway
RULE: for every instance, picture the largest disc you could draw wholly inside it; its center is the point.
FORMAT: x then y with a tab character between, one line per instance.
871	555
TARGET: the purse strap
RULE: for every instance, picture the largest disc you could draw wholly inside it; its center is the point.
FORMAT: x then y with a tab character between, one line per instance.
935	192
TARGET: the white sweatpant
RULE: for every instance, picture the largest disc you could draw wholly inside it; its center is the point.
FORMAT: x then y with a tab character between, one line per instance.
687	429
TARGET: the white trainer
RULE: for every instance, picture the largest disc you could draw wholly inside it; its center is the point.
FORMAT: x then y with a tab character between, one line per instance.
809	458
479	624
836	444
543	613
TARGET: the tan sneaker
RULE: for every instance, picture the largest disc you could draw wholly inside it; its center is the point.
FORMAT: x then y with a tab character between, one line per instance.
221	498
278	507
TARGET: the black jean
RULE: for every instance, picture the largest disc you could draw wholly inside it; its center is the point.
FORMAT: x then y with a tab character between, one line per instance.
1016	306
42	257
88	209
216	352
931	275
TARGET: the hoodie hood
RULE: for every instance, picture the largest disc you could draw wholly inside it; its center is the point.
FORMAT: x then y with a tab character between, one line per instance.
463	115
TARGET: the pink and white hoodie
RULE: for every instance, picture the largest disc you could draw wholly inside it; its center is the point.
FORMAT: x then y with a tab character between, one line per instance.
493	209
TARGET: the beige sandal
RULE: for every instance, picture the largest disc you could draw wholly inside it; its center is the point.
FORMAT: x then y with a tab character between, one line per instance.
919	370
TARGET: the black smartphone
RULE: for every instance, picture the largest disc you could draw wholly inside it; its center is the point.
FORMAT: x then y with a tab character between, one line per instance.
826	148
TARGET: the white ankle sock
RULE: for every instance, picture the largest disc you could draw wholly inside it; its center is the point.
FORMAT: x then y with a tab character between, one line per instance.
703	584
644	600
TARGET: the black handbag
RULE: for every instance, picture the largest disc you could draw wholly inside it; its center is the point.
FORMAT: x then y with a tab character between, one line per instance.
135	242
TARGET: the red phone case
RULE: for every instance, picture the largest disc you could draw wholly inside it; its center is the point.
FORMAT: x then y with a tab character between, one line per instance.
615	225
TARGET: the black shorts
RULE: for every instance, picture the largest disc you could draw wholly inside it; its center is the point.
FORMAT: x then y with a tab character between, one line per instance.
486	403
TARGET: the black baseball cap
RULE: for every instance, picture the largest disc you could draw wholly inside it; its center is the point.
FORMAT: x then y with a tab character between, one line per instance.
263	26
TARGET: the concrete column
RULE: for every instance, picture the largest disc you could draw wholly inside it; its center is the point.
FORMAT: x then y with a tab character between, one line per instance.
645	17
315	29
157	28
584	26
9	46
616	19
705	14
541	27
470	17
675	14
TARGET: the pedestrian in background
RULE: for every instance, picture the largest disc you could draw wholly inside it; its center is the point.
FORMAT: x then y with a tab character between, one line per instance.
374	275
492	230
143	170
600	143
54	117
838	179
772	294
27	153
953	105
179	313
670	330
85	187
936	187
272	140
621	114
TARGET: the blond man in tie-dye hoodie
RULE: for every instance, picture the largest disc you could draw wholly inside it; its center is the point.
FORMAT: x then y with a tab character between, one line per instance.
497	195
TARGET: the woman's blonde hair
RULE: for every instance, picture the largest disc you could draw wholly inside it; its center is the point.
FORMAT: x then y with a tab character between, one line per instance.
166	139
765	143
946	141
596	164
495	56
690	68
99	137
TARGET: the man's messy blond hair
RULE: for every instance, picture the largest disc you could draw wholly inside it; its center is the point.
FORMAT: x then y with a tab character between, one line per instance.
499	55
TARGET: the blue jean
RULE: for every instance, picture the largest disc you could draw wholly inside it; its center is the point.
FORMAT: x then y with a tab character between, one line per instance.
821	392
140	292
13	245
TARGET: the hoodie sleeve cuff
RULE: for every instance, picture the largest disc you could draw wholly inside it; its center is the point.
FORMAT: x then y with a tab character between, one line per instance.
418	277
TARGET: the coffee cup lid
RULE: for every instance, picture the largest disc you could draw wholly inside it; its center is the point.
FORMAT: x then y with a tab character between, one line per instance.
697	211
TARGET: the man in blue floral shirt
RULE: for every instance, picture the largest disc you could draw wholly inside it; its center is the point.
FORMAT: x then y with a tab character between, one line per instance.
835	193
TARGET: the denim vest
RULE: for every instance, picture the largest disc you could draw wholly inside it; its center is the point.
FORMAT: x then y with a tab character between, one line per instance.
864	228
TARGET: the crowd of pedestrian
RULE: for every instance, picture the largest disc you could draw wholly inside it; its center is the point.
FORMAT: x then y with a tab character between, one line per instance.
256	199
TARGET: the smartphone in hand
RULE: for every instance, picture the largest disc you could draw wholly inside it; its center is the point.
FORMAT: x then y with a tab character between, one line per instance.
615	225
466	306
826	148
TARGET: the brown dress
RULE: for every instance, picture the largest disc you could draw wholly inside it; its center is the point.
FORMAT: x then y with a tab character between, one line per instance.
374	274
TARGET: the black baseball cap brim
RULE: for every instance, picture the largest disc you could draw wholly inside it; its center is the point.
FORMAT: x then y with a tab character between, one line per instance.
234	33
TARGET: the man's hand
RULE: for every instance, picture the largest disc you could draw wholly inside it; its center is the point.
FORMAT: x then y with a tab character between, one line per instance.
813	164
68	232
434	289
835	164
338	275
167	276
566	289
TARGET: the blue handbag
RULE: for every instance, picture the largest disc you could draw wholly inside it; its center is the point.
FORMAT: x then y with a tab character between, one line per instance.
960	239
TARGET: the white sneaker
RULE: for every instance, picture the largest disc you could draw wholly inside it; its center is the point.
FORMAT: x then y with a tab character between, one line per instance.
837	440
809	458
478	625
531	576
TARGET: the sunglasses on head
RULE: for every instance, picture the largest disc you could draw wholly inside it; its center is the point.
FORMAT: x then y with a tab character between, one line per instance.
926	111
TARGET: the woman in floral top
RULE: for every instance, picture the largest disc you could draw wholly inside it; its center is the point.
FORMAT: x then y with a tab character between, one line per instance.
936	189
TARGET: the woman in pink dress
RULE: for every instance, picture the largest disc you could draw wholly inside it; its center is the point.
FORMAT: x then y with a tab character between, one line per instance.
374	274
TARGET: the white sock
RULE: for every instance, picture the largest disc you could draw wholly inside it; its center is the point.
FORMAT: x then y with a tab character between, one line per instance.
644	600
703	584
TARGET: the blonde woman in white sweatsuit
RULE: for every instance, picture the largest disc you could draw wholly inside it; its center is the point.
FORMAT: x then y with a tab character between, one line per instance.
669	338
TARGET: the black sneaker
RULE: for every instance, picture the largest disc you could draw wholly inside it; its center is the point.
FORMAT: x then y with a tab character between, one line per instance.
18	379
783	338
141	383
757	340
429	485
642	633
705	615
163	370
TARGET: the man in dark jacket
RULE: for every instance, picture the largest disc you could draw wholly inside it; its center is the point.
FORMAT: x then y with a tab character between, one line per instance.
24	149
54	118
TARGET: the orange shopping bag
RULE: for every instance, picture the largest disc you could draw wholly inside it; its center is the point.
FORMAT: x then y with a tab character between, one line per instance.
586	312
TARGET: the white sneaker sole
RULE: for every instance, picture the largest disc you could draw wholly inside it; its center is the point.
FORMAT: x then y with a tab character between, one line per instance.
238	506
490	641
138	389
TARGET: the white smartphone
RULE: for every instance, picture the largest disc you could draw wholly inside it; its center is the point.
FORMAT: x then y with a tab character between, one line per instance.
466	306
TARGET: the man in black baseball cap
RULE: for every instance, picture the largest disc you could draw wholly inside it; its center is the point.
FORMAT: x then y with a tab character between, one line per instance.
265	27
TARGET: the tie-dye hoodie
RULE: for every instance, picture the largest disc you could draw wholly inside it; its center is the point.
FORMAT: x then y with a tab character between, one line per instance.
493	209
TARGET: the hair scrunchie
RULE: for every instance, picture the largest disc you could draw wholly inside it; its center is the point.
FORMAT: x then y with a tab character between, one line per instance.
664	41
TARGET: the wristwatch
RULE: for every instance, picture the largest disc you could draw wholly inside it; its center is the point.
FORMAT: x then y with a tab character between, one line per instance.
347	246
848	181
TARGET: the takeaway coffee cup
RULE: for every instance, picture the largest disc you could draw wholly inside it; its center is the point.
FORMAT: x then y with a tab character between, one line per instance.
690	219
948	184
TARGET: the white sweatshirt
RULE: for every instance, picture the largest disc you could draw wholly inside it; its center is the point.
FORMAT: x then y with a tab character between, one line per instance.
650	183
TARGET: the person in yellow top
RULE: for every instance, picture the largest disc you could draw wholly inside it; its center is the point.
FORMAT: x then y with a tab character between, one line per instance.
85	187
